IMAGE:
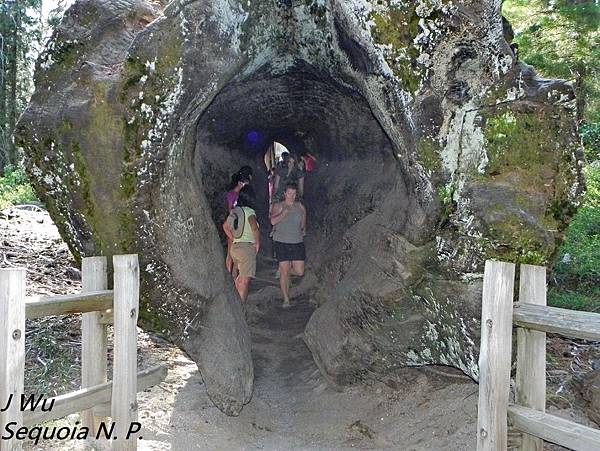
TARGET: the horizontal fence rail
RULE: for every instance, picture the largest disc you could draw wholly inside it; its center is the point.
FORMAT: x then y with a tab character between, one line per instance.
554	429
86	398
533	319
568	323
69	304
98	398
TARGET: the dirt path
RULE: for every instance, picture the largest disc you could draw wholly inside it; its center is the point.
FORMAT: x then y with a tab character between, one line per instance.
293	408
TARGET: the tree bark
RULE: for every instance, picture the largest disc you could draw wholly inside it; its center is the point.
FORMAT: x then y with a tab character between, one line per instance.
580	88
3	72
12	114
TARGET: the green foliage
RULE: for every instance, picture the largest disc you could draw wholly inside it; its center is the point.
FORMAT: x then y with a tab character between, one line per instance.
579	264
20	41
561	39
577	270
592	176
590	137
15	188
575	300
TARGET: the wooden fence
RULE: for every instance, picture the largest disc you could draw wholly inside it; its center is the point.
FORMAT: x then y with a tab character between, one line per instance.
533	319
97	398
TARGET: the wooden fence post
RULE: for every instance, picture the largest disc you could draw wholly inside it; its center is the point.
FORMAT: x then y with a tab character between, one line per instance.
495	355
530	389
93	336
12	351
124	401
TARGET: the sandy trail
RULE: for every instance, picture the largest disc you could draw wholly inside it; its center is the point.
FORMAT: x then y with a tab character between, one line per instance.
293	407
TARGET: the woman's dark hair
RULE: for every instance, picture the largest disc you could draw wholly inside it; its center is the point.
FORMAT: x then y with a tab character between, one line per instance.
246	171
246	198
236	178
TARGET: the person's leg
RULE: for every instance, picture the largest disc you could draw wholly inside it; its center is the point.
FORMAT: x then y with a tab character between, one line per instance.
242	284
228	259
298	268
284	282
244	258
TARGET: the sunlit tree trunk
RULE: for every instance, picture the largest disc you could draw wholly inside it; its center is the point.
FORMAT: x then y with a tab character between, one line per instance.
3	72
12	113
580	91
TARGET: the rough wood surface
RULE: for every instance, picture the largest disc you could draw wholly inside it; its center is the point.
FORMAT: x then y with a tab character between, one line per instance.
12	350
495	355
69	304
568	323
93	335
554	429
124	402
530	388
86	398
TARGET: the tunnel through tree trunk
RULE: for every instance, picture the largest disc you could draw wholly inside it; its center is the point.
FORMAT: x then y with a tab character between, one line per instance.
430	162
306	111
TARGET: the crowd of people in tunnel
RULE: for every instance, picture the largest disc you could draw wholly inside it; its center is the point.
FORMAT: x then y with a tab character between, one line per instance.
287	219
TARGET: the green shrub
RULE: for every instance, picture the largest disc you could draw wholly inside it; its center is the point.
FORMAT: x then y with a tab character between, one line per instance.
592	177
590	136
574	300
577	270
15	188
579	259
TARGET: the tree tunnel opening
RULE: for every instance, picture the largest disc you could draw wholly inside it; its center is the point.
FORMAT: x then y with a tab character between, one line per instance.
356	176
306	111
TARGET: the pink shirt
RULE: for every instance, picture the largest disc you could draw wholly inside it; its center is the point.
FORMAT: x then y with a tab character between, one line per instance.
232	198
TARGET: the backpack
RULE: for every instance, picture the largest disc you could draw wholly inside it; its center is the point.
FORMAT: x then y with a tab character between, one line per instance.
237	219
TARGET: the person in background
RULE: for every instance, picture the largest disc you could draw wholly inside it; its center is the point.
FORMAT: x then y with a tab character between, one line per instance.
238	182
289	228
271	182
281	172
309	162
288	172
245	248
246	171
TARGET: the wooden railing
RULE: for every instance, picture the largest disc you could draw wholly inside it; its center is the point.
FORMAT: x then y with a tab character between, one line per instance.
533	319
97	397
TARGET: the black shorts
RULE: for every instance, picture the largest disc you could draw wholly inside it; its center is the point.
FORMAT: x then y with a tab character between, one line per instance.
285	252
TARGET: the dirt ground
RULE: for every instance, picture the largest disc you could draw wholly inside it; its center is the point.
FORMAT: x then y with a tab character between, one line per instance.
293	407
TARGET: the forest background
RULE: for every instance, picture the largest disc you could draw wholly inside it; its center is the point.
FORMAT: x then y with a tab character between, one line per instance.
559	38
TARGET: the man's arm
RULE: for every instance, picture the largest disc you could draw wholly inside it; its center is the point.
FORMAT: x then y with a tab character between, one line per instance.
301	186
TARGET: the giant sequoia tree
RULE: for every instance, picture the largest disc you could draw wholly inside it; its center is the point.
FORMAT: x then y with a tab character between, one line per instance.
432	159
20	35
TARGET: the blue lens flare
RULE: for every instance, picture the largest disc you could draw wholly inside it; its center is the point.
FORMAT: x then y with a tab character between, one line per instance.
253	137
